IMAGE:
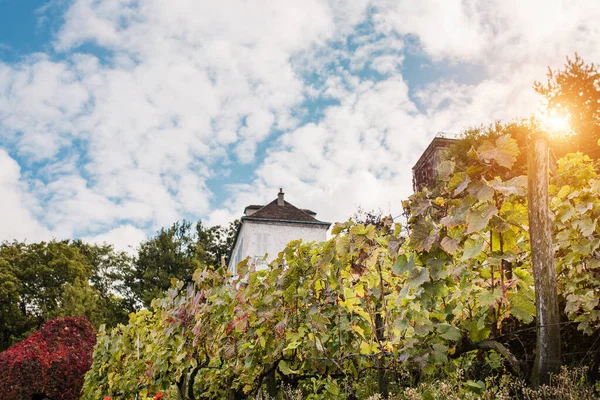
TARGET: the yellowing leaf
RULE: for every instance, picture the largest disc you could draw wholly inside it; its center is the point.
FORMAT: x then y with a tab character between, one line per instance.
359	290
564	192
365	348
372	260
319	284
504	151
515	186
359	330
450	245
337	228
362	313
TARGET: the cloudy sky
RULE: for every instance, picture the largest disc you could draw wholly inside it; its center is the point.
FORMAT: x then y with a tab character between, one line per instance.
118	117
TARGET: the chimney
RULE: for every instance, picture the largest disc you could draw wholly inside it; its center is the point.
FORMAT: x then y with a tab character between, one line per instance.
280	201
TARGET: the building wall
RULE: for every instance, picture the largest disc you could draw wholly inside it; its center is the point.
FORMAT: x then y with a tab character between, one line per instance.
425	170
259	238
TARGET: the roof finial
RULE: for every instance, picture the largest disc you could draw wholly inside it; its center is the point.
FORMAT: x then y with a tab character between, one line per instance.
280	201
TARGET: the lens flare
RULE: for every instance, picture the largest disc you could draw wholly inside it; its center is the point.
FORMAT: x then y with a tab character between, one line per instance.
555	123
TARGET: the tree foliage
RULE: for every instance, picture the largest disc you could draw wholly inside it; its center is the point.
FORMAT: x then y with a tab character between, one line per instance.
575	91
50	363
474	137
176	252
41	281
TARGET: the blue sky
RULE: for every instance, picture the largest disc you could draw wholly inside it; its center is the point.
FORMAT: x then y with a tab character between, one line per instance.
118	117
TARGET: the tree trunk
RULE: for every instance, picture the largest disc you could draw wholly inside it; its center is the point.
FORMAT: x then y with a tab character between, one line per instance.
233	394
272	384
190	383
547	358
382	382
181	388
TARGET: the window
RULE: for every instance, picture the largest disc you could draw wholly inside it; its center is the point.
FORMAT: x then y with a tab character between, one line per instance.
262	242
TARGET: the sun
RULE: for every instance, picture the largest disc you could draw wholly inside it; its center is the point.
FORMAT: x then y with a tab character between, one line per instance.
555	123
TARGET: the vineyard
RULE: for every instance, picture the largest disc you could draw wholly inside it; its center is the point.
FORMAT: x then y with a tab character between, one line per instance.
379	307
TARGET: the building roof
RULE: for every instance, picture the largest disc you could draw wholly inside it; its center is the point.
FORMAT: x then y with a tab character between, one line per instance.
287	212
251	209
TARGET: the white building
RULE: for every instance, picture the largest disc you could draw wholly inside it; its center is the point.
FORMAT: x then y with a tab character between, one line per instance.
268	229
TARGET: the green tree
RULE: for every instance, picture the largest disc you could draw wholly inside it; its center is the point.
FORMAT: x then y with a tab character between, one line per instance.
176	252
41	281
575	90
43	269
215	242
12	320
109	269
172	253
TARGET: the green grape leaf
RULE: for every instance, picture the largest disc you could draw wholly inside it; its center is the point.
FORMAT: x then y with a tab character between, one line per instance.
445	170
472	248
586	225
521	307
481	190
487	298
285	369
462	185
475	387
479	218
333	388
419	205
404	263
439	353
424	235
458	215
449	332
418	276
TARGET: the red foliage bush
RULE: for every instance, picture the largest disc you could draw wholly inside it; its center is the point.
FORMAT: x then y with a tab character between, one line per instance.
51	362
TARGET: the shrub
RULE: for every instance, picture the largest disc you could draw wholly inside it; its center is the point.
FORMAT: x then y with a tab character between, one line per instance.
52	362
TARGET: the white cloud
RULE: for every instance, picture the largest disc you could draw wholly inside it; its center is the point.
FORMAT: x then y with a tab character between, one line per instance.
499	34
16	218
123	238
358	155
182	86
452	28
363	149
131	139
